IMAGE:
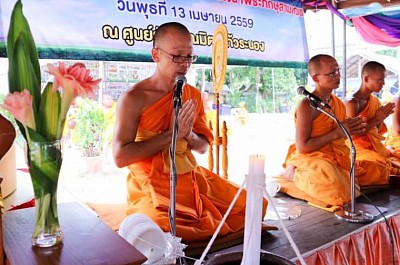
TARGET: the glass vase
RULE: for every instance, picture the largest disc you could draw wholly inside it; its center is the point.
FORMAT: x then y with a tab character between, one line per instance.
45	159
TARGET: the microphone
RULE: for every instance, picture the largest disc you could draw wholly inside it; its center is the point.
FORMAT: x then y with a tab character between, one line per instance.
313	98
180	82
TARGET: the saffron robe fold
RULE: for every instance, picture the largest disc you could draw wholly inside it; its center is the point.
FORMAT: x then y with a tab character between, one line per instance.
202	197
321	177
393	144
372	154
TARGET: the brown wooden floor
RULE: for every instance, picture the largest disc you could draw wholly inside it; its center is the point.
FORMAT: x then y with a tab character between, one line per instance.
316	227
313	229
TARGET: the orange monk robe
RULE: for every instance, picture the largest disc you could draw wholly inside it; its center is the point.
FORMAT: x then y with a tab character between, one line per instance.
321	177
393	144
202	197
372	154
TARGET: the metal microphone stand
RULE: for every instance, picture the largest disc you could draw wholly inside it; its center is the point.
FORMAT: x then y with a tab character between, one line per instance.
353	215
173	174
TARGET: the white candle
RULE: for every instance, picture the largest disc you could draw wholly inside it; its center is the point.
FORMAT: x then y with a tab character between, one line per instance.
256	165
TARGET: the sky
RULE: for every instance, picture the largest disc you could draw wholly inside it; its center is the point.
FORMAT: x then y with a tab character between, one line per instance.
319	35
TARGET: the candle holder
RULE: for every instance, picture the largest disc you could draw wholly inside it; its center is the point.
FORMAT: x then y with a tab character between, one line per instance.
256	229
255	185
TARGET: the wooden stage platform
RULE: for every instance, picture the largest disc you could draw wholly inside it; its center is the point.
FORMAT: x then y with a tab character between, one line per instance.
317	231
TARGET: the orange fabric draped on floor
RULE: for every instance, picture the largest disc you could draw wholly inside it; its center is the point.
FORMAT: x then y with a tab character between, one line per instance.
202	197
370	245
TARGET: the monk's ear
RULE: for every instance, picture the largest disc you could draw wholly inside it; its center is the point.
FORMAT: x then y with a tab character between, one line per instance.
155	55
315	78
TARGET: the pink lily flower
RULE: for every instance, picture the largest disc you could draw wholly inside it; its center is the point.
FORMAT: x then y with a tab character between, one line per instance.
19	104
74	81
76	78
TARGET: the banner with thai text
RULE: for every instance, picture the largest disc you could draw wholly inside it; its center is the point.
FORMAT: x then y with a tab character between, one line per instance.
260	32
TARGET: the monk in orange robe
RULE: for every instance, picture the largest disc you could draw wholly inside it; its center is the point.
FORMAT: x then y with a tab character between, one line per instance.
317	166
142	138
393	137
372	154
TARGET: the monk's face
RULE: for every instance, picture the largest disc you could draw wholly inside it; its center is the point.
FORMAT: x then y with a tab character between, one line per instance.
375	80
173	54
328	73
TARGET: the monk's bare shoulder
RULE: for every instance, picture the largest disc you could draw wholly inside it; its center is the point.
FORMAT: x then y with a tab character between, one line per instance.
351	99
396	99
304	109
139	89
134	97
352	104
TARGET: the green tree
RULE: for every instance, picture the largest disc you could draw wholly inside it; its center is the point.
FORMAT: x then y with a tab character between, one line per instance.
90	128
239	80
278	88
388	52
262	89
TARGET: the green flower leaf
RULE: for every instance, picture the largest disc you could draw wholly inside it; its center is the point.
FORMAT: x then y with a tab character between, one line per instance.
21	67
46	171
18	24
49	113
44	163
35	136
21	49
20	72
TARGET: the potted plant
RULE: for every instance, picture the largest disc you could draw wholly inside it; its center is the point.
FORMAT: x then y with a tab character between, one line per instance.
89	132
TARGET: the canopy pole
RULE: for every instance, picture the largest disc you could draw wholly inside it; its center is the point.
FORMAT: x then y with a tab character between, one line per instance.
333	34
344	60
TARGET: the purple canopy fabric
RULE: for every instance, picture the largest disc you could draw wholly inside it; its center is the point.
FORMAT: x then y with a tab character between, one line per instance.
373	34
335	11
382	29
387	24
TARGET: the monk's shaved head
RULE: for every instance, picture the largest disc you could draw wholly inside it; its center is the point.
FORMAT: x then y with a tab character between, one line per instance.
162	31
372	67
315	63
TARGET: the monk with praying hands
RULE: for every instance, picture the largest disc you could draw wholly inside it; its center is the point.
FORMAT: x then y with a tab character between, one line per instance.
317	166
372	154
393	135
142	137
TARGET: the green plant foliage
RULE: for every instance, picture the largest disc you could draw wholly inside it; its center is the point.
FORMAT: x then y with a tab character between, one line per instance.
263	89
90	128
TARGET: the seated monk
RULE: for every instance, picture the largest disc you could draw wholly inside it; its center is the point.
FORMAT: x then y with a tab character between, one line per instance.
317	166
393	136
372	154
142	137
